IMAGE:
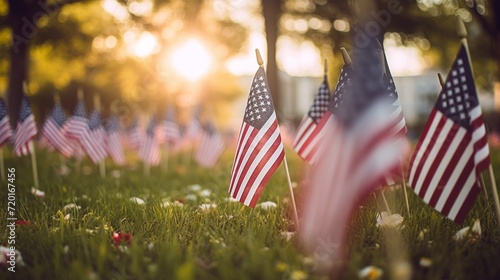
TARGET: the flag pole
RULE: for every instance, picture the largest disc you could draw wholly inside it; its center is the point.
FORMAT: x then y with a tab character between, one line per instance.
287	172
102	163
79	157
462	34
34	165
441	80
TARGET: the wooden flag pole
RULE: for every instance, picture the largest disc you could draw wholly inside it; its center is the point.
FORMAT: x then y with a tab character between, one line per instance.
287	172
462	34
102	163
34	164
441	80
79	95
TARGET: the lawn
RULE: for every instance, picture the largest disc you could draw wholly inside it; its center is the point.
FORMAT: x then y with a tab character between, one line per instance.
205	236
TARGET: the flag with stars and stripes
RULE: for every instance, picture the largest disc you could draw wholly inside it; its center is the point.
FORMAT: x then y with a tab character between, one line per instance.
133	135
259	151
304	139
149	151
452	150
210	147
113	144
92	140
361	145
25	130
309	150
77	124
171	130
5	129
53	132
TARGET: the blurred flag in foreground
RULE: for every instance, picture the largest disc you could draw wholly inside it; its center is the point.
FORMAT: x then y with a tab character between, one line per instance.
260	150
149	152
360	146
5	129
25	130
453	149
77	124
210	147
304	141
133	135
114	146
53	132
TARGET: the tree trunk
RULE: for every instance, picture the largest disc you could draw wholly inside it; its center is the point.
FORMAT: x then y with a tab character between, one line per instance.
271	10
21	33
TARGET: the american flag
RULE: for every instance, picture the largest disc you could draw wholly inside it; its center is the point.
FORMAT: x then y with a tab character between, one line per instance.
210	148
5	129
149	150
494	139
453	149
193	129
114	146
171	129
304	139
53	131
93	139
260	150
25	130
309	149
361	146
77	124
134	134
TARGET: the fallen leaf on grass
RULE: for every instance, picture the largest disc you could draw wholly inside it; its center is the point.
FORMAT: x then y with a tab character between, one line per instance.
23	223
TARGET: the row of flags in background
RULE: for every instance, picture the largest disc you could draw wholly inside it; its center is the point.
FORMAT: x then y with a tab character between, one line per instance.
79	134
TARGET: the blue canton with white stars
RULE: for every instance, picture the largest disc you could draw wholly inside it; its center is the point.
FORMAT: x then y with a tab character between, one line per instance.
80	110
95	120
458	95
259	105
25	110
58	115
3	109
321	101
113	124
343	85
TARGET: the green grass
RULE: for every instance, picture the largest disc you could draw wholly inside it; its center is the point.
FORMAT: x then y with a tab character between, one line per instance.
229	242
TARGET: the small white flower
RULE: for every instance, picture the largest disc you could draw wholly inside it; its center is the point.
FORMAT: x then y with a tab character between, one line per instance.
295	185
207	207
137	200
191	197
66	249
37	193
63	170
370	272
288	235
70	206
67	217
385	220
422	233
150	246
205	193
194	188
230	199
267	205
172	204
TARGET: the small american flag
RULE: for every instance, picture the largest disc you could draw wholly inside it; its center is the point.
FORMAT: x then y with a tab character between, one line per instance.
93	139
494	139
53	131
452	150
77	124
134	134
149	150
305	137
171	129
210	148
5	129
114	145
25	130
193	129
260	150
